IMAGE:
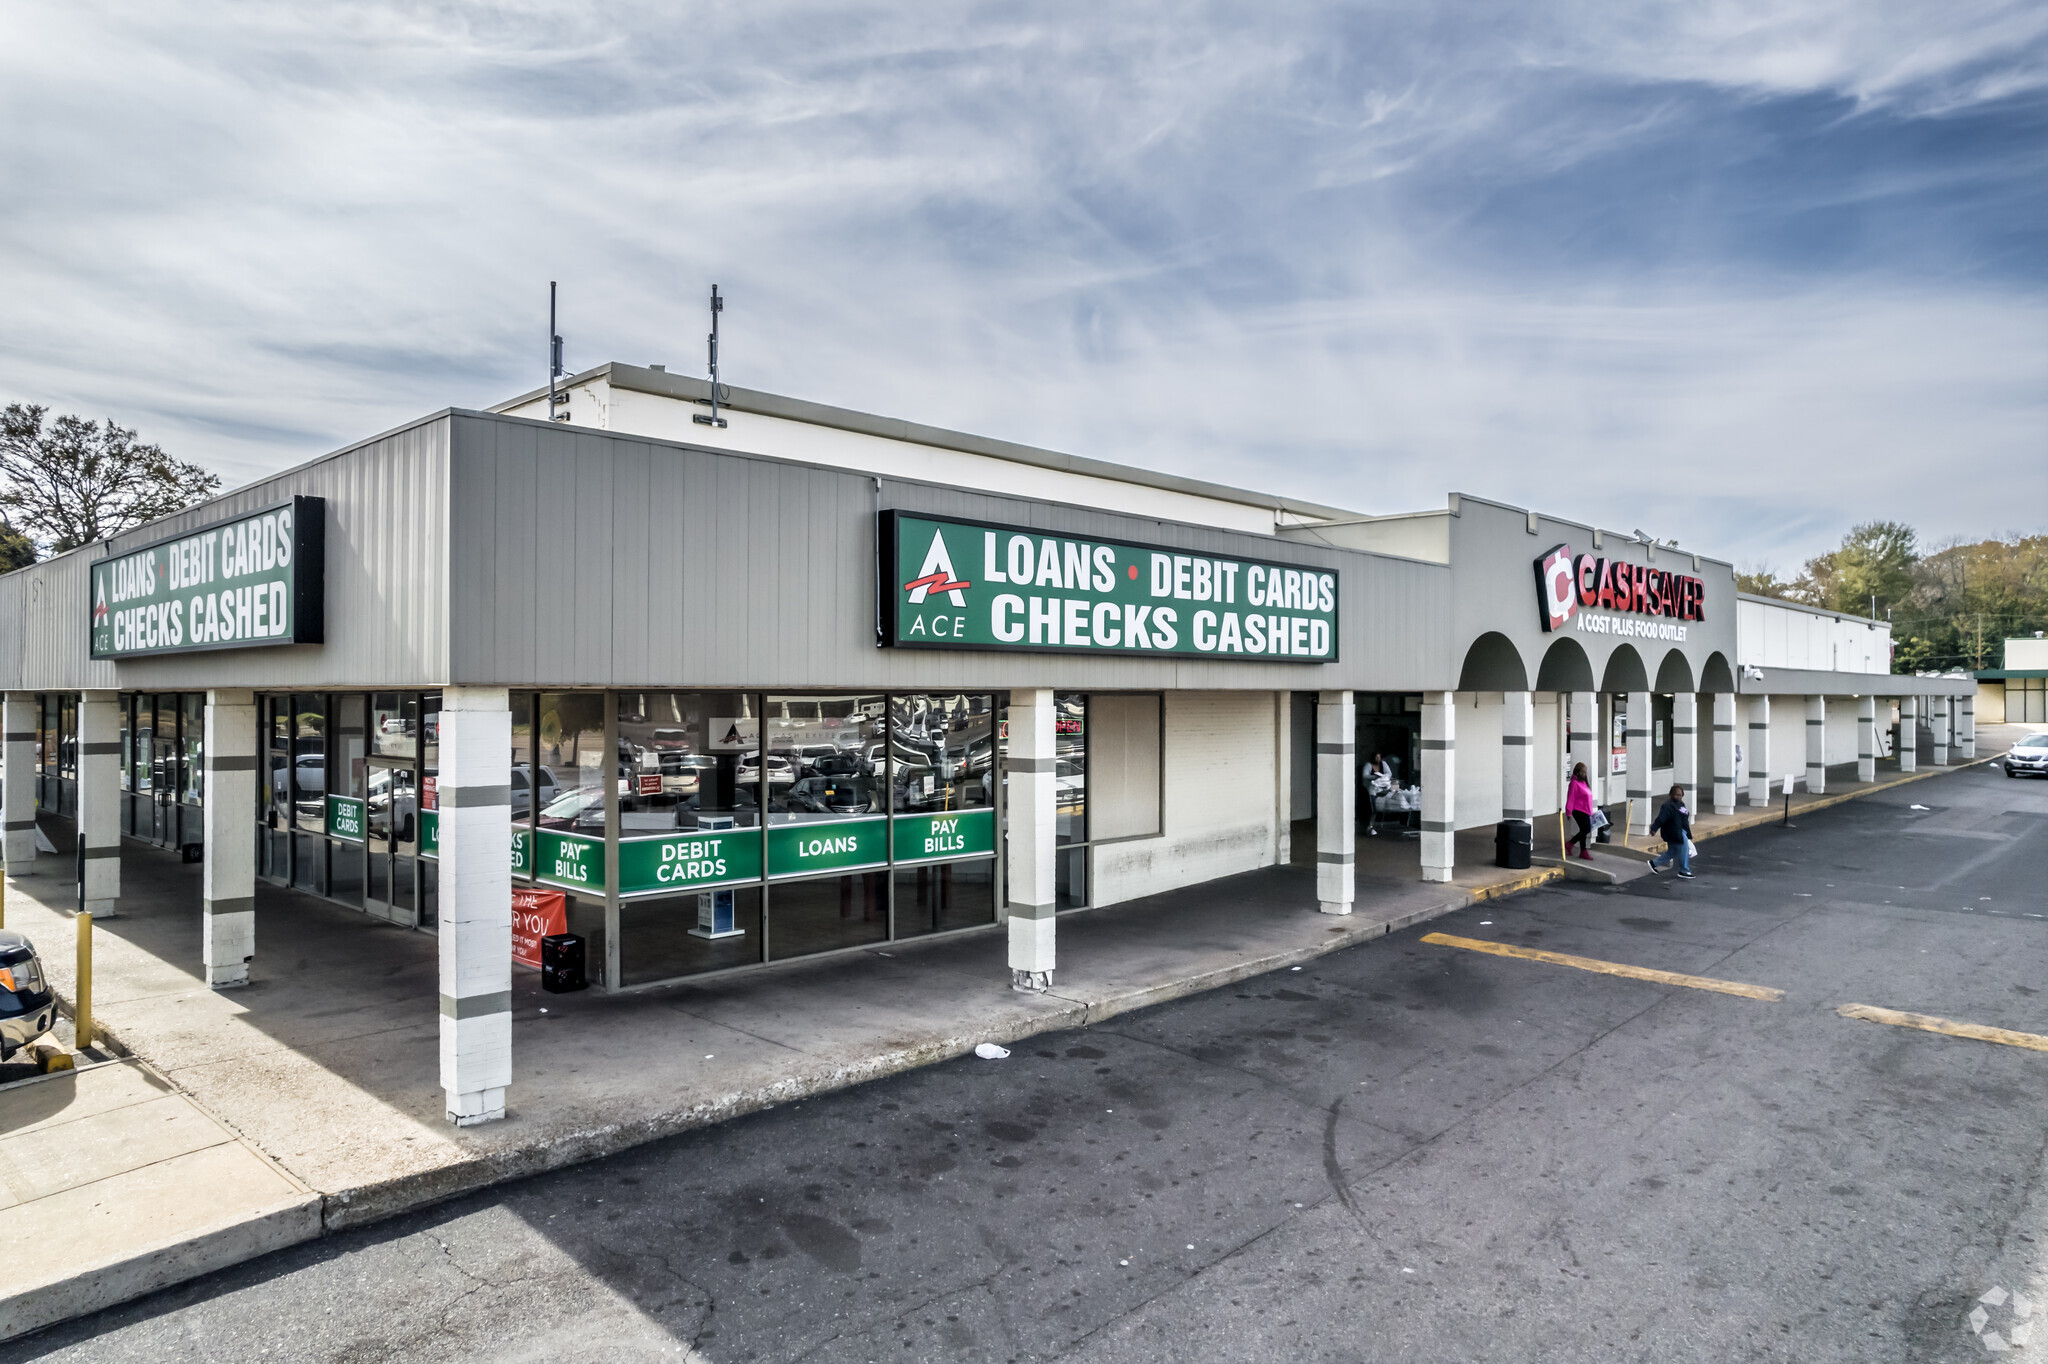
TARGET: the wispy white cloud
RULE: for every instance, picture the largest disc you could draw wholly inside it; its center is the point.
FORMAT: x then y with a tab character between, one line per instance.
1712	260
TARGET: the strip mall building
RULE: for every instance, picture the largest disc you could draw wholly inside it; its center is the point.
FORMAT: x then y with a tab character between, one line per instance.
713	697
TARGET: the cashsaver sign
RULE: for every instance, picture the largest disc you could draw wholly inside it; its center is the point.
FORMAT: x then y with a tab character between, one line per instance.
1588	588
972	585
241	584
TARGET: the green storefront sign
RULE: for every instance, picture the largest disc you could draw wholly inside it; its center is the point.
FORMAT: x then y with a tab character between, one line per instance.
430	834
960	833
817	849
242	584
571	861
345	818
977	585
693	861
522	851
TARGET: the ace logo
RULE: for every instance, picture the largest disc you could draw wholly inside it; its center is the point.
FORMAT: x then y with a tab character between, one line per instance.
936	575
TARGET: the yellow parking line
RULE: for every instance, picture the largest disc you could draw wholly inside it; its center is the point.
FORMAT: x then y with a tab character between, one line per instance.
1608	968
2032	1041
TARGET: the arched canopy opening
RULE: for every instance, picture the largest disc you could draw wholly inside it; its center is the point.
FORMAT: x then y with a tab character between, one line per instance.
1674	675
1493	664
1716	675
1625	671
1565	668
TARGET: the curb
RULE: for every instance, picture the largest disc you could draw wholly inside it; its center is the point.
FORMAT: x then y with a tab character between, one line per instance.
1758	819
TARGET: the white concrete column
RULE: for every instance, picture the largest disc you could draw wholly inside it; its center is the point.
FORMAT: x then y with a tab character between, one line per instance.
227	878
1034	829
1759	750
1283	778
475	798
1636	735
1579	735
1336	801
1817	744
1909	733
1866	738
1517	755
1938	721
1685	744
19	717
1439	784
99	799
1966	728
1724	752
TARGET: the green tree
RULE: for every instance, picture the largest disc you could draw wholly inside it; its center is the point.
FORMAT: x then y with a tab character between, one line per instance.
1873	567
74	481
1761	580
16	549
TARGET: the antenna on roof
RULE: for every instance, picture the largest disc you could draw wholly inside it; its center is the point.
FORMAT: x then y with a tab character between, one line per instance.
555	370
717	307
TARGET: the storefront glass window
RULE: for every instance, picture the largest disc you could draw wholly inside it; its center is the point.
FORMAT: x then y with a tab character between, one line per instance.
828	912
570	735
394	724
825	758
128	743
944	747
524	785
67	745
948	895
143	753
194	789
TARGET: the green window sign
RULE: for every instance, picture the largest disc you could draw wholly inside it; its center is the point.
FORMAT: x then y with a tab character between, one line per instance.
430	834
692	861
928	838
345	818
826	846
571	861
242	584
976	585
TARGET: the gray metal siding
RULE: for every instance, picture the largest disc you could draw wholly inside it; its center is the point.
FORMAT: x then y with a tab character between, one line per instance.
656	564
386	575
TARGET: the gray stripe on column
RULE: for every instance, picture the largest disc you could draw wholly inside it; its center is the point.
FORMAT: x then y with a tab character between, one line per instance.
1433	826
1340	859
1515	814
1724	729
19	826
102	750
240	904
1439	745
1636	733
1029	764
476	1006
1811	723
93	854
474	797
1023	911
230	762
21	737
1577	734
1683	729
1334	750
1516	740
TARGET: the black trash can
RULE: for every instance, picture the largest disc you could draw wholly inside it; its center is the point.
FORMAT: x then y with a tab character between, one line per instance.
561	963
1512	841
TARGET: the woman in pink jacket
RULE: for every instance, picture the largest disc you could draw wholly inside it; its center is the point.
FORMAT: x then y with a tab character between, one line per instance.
1578	803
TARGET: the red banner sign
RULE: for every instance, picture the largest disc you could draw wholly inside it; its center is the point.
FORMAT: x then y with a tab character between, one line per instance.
536	914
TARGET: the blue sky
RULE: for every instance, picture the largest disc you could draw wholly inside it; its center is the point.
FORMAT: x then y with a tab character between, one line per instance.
1738	273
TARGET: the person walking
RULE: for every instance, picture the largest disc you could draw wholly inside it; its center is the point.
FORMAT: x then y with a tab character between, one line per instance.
1674	821
1578	803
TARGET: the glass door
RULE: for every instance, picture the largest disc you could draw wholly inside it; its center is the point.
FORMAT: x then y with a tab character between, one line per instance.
393	839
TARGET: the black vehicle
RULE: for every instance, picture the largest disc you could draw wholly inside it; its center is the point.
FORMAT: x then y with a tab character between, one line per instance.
28	1007
830	796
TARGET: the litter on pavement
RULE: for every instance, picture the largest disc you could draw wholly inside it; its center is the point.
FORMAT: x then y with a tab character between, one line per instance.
989	1051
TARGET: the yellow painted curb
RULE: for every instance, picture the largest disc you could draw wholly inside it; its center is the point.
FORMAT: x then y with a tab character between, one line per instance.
1529	881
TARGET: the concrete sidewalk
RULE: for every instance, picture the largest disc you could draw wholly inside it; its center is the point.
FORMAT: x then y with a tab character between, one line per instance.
112	1185
327	1063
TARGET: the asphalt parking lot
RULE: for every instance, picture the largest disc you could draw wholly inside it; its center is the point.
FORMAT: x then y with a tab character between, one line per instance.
1409	1150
